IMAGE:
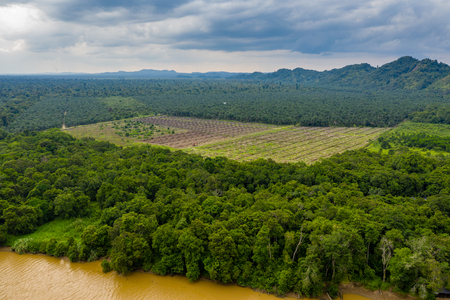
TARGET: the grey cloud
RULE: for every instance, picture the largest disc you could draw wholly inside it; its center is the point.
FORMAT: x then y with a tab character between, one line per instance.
322	26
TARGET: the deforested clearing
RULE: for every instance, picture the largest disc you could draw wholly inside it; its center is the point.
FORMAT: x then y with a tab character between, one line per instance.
250	141
293	144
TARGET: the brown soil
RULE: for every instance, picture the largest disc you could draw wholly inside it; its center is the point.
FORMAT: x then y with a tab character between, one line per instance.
351	288
199	131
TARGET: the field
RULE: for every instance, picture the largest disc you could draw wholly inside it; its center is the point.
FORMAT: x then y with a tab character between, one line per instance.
293	144
123	132
235	140
60	229
201	132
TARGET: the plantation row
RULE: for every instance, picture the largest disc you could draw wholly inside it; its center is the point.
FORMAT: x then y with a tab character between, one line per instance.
200	131
40	104
293	144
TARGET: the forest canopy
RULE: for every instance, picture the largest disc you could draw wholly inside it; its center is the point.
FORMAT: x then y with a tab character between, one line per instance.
382	220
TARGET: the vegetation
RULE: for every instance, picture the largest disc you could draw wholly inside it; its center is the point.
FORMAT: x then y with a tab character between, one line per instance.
361	216
435	114
40	103
426	138
292	144
306	107
379	217
404	73
122	132
235	140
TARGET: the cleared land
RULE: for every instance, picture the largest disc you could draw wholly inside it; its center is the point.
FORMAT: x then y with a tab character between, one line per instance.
200	131
293	144
123	132
235	140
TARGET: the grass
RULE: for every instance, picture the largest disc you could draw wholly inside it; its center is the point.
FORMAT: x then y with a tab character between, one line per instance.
291	144
116	132
59	229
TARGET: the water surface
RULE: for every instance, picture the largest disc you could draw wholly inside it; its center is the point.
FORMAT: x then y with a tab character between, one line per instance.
38	277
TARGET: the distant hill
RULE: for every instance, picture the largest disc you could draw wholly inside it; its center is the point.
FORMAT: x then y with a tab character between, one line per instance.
403	73
142	74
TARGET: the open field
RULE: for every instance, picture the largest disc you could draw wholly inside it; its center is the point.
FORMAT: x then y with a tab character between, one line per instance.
60	229
123	132
293	144
235	140
201	132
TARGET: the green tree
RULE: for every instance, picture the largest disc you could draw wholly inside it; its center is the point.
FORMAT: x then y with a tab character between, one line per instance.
223	251
21	219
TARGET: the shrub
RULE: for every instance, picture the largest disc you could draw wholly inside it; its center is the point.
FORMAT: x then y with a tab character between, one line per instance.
333	290
61	249
92	256
51	247
2	234
43	247
22	245
375	284
106	266
74	252
34	246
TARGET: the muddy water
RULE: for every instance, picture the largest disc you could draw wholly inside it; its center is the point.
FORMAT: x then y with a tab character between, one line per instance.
41	277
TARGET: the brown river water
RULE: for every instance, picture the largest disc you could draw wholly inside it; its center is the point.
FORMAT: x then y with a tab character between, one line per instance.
38	277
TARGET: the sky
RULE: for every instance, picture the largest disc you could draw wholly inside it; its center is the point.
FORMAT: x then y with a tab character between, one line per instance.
39	36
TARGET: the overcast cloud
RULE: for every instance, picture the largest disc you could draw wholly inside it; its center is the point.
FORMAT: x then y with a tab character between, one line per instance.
185	35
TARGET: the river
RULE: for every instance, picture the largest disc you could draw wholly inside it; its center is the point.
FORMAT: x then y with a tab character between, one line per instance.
38	277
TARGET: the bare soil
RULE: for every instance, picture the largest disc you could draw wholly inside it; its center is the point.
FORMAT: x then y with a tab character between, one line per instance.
199	131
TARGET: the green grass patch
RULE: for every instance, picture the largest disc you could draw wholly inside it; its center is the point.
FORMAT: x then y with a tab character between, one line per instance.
61	230
122	133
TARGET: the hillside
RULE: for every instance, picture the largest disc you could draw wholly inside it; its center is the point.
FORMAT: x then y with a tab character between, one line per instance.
403	73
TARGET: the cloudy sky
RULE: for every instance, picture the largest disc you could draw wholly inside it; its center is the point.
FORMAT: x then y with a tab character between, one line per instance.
217	35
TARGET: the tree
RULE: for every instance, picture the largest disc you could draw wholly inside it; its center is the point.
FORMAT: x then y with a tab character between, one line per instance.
97	239
387	248
192	249
69	206
129	251
223	251
21	219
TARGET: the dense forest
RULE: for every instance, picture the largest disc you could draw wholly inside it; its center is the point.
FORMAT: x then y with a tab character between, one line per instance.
41	103
382	220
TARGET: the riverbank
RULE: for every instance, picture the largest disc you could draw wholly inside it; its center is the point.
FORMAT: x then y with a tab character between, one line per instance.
349	290
355	289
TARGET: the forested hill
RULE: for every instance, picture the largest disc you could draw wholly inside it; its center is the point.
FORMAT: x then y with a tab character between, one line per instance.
404	73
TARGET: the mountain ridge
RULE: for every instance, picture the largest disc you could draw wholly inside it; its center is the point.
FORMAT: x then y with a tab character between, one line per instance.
404	73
